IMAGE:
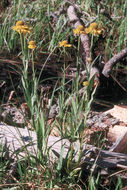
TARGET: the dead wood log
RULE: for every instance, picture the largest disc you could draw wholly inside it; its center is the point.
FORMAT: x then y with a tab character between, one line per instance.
17	140
115	59
121	144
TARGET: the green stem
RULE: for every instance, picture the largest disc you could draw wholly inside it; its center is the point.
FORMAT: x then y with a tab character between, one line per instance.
77	62
69	161
91	45
33	63
82	134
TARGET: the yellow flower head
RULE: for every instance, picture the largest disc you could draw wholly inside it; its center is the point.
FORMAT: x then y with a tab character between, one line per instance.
93	29
79	30
32	45
85	83
64	43
19	23
21	28
93	26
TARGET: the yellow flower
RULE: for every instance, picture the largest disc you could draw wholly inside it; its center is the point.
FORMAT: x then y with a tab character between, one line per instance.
32	45
93	29
21	28
79	30
64	43
85	83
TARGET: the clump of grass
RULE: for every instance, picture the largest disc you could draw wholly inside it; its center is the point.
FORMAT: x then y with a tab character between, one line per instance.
4	162
76	130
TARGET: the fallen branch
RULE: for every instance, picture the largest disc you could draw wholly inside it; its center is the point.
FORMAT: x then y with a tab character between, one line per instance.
17	140
115	59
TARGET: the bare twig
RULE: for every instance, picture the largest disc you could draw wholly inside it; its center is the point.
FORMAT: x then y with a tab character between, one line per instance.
115	59
118	83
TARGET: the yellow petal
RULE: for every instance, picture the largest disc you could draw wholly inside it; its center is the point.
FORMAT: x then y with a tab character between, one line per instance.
75	31
85	83
80	28
88	30
67	45
83	32
17	29
31	46
99	31
63	43
93	25
19	23
25	29
31	42
94	32
14	27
